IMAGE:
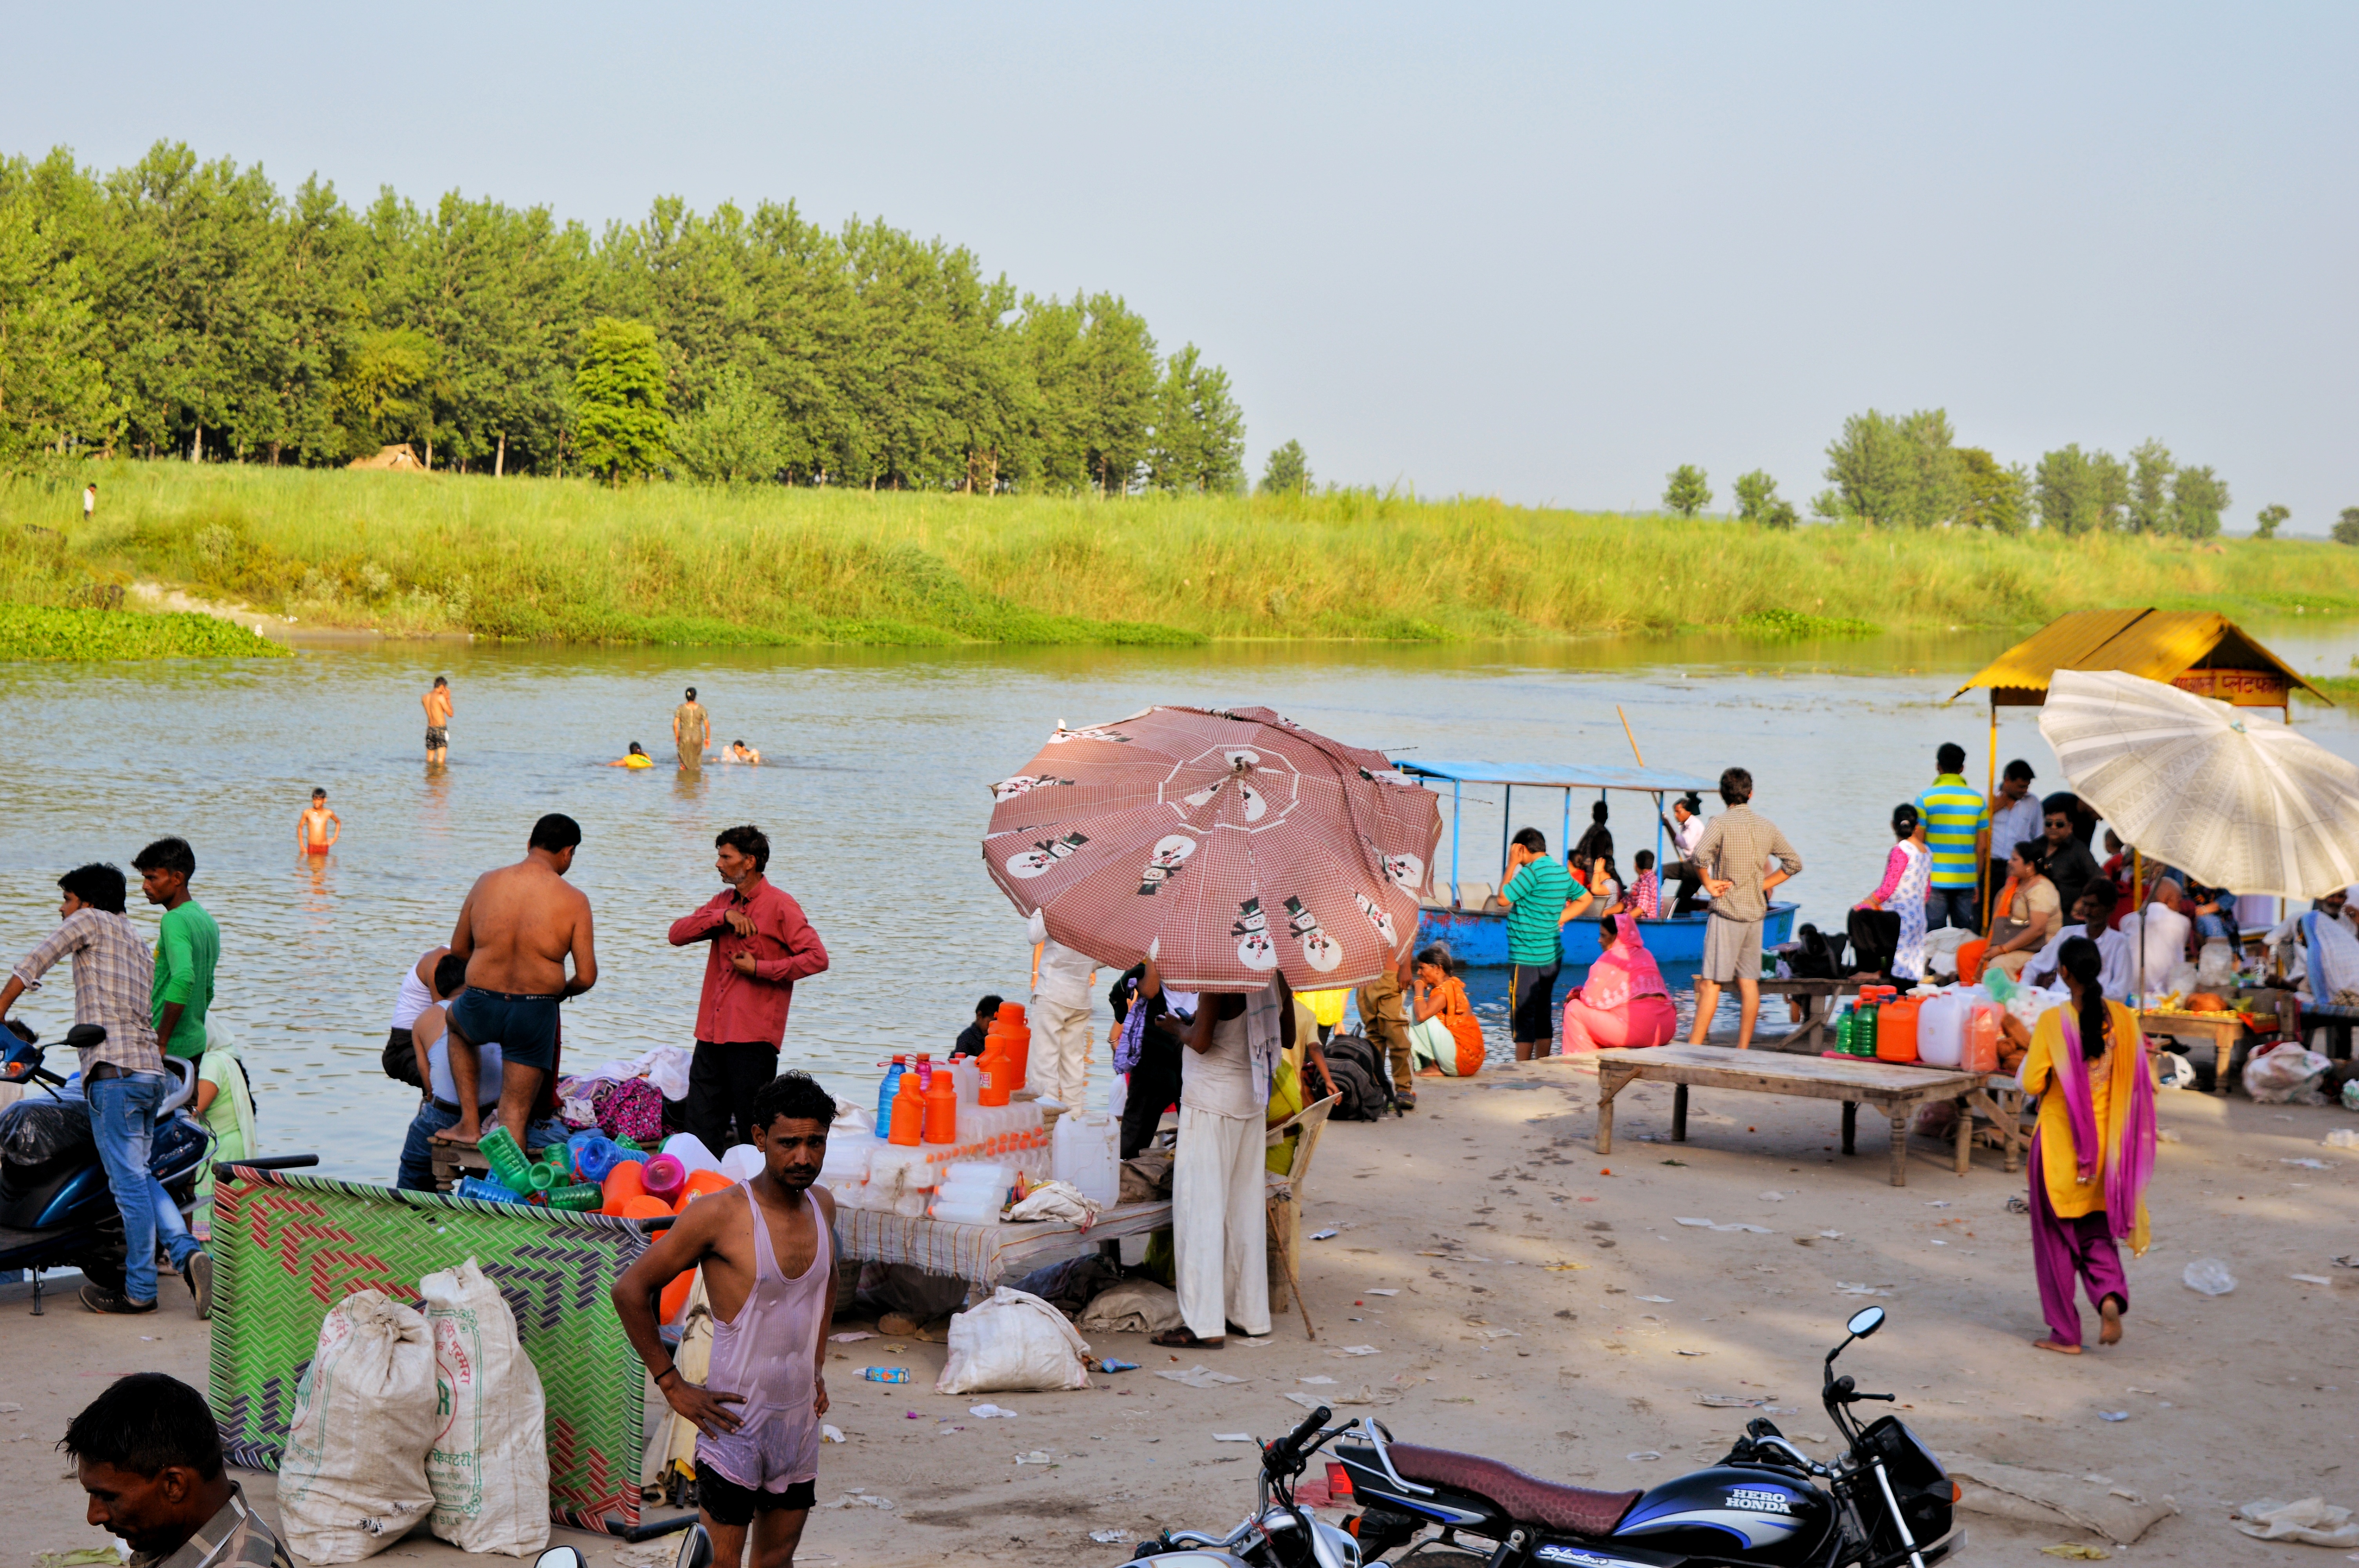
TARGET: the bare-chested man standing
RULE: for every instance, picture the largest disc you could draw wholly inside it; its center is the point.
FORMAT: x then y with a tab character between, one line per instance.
438	705
515	931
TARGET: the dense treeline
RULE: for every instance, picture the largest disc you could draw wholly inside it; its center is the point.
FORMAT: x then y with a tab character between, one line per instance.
184	309
1907	471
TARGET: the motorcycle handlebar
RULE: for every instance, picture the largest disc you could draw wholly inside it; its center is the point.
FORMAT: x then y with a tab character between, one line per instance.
1290	1445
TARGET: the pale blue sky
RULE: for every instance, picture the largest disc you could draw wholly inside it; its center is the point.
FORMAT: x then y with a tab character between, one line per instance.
1544	253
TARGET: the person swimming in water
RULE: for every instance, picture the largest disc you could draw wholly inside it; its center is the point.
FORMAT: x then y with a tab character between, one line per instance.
318	828
637	758
739	752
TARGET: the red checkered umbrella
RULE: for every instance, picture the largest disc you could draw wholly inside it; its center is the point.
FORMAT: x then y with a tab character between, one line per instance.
1228	843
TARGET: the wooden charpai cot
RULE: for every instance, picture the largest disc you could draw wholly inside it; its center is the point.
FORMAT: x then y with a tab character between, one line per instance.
1896	1089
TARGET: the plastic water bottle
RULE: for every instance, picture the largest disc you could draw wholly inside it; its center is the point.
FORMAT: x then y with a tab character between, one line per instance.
885	1093
578	1198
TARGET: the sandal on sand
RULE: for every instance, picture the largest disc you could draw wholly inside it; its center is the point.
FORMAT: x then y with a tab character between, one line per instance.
2059	1349
1182	1338
2111	1311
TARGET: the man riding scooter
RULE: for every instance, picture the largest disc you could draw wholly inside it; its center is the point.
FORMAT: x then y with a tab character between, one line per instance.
122	1079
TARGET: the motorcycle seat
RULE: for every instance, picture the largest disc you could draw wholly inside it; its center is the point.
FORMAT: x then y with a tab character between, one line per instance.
1525	1498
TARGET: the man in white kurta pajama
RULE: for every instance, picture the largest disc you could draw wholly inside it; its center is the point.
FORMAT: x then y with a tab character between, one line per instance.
1219	1212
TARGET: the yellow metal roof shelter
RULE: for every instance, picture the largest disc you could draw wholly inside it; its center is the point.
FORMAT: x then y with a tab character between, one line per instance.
2195	651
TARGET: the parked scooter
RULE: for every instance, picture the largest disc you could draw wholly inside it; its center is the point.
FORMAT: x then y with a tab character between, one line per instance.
1885	1502
56	1208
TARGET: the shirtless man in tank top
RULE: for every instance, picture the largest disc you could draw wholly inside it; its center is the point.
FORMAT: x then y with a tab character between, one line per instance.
769	1257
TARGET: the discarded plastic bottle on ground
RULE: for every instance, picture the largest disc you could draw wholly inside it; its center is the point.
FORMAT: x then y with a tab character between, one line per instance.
885	1374
2210	1276
484	1191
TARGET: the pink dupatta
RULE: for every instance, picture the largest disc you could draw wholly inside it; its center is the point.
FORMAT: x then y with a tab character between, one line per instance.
1623	971
2125	1175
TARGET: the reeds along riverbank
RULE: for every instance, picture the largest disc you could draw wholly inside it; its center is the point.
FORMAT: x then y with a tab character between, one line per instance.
566	561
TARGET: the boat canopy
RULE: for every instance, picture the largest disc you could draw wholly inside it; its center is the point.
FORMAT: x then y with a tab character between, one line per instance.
1569	775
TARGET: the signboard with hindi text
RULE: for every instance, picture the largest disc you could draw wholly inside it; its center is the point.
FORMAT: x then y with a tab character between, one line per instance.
2239	688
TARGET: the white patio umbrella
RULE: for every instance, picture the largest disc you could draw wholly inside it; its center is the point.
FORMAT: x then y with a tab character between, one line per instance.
2235	799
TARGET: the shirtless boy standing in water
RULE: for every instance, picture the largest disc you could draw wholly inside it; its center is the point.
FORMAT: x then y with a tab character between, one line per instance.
319	829
769	1273
516	929
438	705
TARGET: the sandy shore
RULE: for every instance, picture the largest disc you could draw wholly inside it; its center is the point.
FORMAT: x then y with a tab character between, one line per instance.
1525	1327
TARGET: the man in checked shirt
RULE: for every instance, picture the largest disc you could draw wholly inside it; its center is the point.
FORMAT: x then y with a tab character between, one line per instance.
122	1078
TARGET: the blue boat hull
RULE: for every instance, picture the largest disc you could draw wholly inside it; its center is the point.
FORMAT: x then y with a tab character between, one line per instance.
1481	940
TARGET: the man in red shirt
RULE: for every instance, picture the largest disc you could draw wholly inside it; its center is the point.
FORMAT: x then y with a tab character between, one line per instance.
761	946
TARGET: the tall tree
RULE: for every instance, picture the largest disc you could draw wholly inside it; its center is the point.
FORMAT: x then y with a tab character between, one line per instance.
1992	497
1118	381
2270	519
2151	468
1687	491
1199	435
2198	497
1287	471
2346	527
53	389
619	400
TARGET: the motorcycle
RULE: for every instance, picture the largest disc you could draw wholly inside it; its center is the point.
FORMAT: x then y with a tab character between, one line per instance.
57	1210
1885	1501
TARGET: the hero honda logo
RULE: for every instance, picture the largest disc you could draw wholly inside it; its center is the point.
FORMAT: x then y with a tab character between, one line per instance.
1574	1554
1758	1499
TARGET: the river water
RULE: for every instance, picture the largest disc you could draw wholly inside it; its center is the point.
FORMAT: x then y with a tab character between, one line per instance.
874	794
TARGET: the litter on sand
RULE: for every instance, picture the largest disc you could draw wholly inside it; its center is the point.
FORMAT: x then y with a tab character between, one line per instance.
1233	1437
2076	1550
1354	1350
1110	1365
2307	1164
1830	1235
1733	1401
859	1501
832	1434
1199	1377
989	1413
1842	1289
2310	1279
1381	1292
2113	1415
1733	1225
1773	1198
1658	1300
1108	1537
1315	1382
2314	1521
1038	1457
1324	1235
1644	1457
850	1337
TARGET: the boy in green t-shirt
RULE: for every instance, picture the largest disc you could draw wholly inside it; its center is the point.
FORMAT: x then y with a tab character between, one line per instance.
188	947
1541	897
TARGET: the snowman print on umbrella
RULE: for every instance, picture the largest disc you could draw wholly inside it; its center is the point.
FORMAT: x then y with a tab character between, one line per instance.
1321	951
1171	852
1251	928
1379	917
1043	855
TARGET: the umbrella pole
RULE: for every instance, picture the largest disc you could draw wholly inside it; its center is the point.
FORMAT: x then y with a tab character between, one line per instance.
1990	808
1507	827
2138	901
1456	806
1564	839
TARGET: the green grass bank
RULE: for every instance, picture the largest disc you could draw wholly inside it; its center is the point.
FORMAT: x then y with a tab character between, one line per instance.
566	561
44	632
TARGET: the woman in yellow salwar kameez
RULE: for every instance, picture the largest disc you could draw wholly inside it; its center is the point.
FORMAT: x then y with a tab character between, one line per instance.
2093	1153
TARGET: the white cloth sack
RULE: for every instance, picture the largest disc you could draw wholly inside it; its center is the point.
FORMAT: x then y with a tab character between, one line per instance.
489	1465
1059	1201
2312	1522
1013	1343
353	1479
1134	1306
2284	1072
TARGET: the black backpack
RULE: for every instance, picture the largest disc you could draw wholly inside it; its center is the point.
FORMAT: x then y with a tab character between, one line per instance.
1358	1068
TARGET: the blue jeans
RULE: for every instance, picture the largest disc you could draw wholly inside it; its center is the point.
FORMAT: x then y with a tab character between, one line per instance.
417	1172
2214	928
1951	906
122	1124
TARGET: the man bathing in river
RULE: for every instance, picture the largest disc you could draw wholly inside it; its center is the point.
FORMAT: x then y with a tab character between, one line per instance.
438	705
318	828
515	930
769	1270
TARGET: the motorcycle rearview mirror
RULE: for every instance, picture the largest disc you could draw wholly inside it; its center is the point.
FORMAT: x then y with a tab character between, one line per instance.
695	1549
559	1557
1864	1322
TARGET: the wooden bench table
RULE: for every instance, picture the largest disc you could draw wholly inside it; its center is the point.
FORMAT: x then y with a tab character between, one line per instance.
1895	1089
2221	1030
1819	998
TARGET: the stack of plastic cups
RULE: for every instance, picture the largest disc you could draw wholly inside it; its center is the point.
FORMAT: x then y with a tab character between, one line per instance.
578	1198
506	1160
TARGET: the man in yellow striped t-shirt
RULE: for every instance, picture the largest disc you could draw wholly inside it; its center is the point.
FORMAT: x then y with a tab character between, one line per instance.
1954	813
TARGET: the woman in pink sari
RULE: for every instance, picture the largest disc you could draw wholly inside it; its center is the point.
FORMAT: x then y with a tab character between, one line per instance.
2093	1151
1622	1001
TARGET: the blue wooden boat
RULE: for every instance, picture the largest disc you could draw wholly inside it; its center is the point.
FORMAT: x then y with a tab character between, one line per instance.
1480	938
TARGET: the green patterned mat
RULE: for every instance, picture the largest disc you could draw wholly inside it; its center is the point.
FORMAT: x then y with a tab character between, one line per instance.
287	1246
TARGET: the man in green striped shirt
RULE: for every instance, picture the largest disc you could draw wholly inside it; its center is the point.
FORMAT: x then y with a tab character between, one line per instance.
1954	815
